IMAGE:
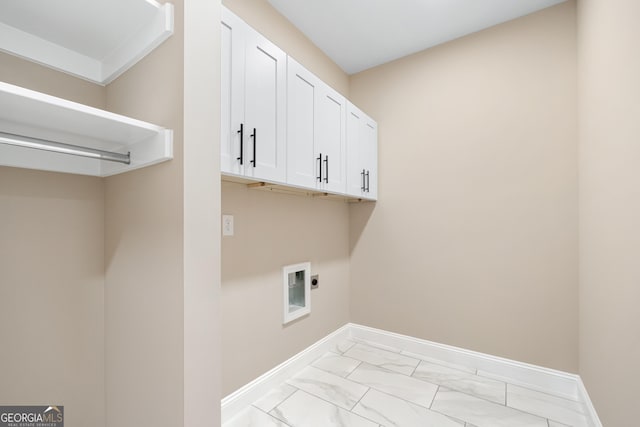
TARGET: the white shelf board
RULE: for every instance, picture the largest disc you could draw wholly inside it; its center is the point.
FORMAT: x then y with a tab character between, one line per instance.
91	39
37	115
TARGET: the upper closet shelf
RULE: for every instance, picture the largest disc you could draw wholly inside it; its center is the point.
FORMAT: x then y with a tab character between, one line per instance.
32	123
93	40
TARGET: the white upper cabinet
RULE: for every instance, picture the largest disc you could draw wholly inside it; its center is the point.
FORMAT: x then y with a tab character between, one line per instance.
283	125
316	132
253	103
362	154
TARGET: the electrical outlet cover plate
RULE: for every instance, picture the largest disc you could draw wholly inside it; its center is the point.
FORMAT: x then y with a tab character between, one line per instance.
227	225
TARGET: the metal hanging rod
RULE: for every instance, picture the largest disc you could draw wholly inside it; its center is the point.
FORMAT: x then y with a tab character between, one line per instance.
58	147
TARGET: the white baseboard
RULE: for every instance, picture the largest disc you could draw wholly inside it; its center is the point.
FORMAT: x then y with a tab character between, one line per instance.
518	373
586	401
249	393
534	377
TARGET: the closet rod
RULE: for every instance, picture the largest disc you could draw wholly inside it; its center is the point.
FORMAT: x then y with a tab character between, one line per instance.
58	147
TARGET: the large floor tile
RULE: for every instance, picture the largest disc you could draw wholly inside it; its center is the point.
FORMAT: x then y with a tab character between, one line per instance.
274	397
343	346
378	345
545	405
385	359
336	364
398	385
391	411
462	381
332	388
304	410
459	367
253	417
482	413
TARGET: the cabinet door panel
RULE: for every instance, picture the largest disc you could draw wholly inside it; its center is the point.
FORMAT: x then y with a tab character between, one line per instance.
362	154
332	134
232	91
302	166
265	109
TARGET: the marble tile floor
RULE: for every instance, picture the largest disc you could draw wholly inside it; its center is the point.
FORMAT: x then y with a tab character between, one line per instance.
360	384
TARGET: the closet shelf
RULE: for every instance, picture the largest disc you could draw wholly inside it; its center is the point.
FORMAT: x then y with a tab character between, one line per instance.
96	41
27	116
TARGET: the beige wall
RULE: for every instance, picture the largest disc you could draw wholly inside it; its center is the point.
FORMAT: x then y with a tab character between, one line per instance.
52	273
260	15
51	293
144	252
274	230
474	241
610	206
30	75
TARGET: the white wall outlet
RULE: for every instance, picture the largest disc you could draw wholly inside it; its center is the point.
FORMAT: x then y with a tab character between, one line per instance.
227	225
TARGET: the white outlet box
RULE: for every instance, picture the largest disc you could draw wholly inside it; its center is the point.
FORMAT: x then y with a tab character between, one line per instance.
227	225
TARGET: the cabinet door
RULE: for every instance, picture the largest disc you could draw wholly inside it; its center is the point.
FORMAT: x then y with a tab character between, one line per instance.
370	153
302	96
355	167
232	94
264	106
331	129
362	154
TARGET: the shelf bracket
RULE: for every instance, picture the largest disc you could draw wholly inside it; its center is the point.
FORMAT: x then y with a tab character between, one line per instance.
260	185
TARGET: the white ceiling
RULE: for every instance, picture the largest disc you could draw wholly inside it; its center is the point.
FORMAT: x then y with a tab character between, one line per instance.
360	34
